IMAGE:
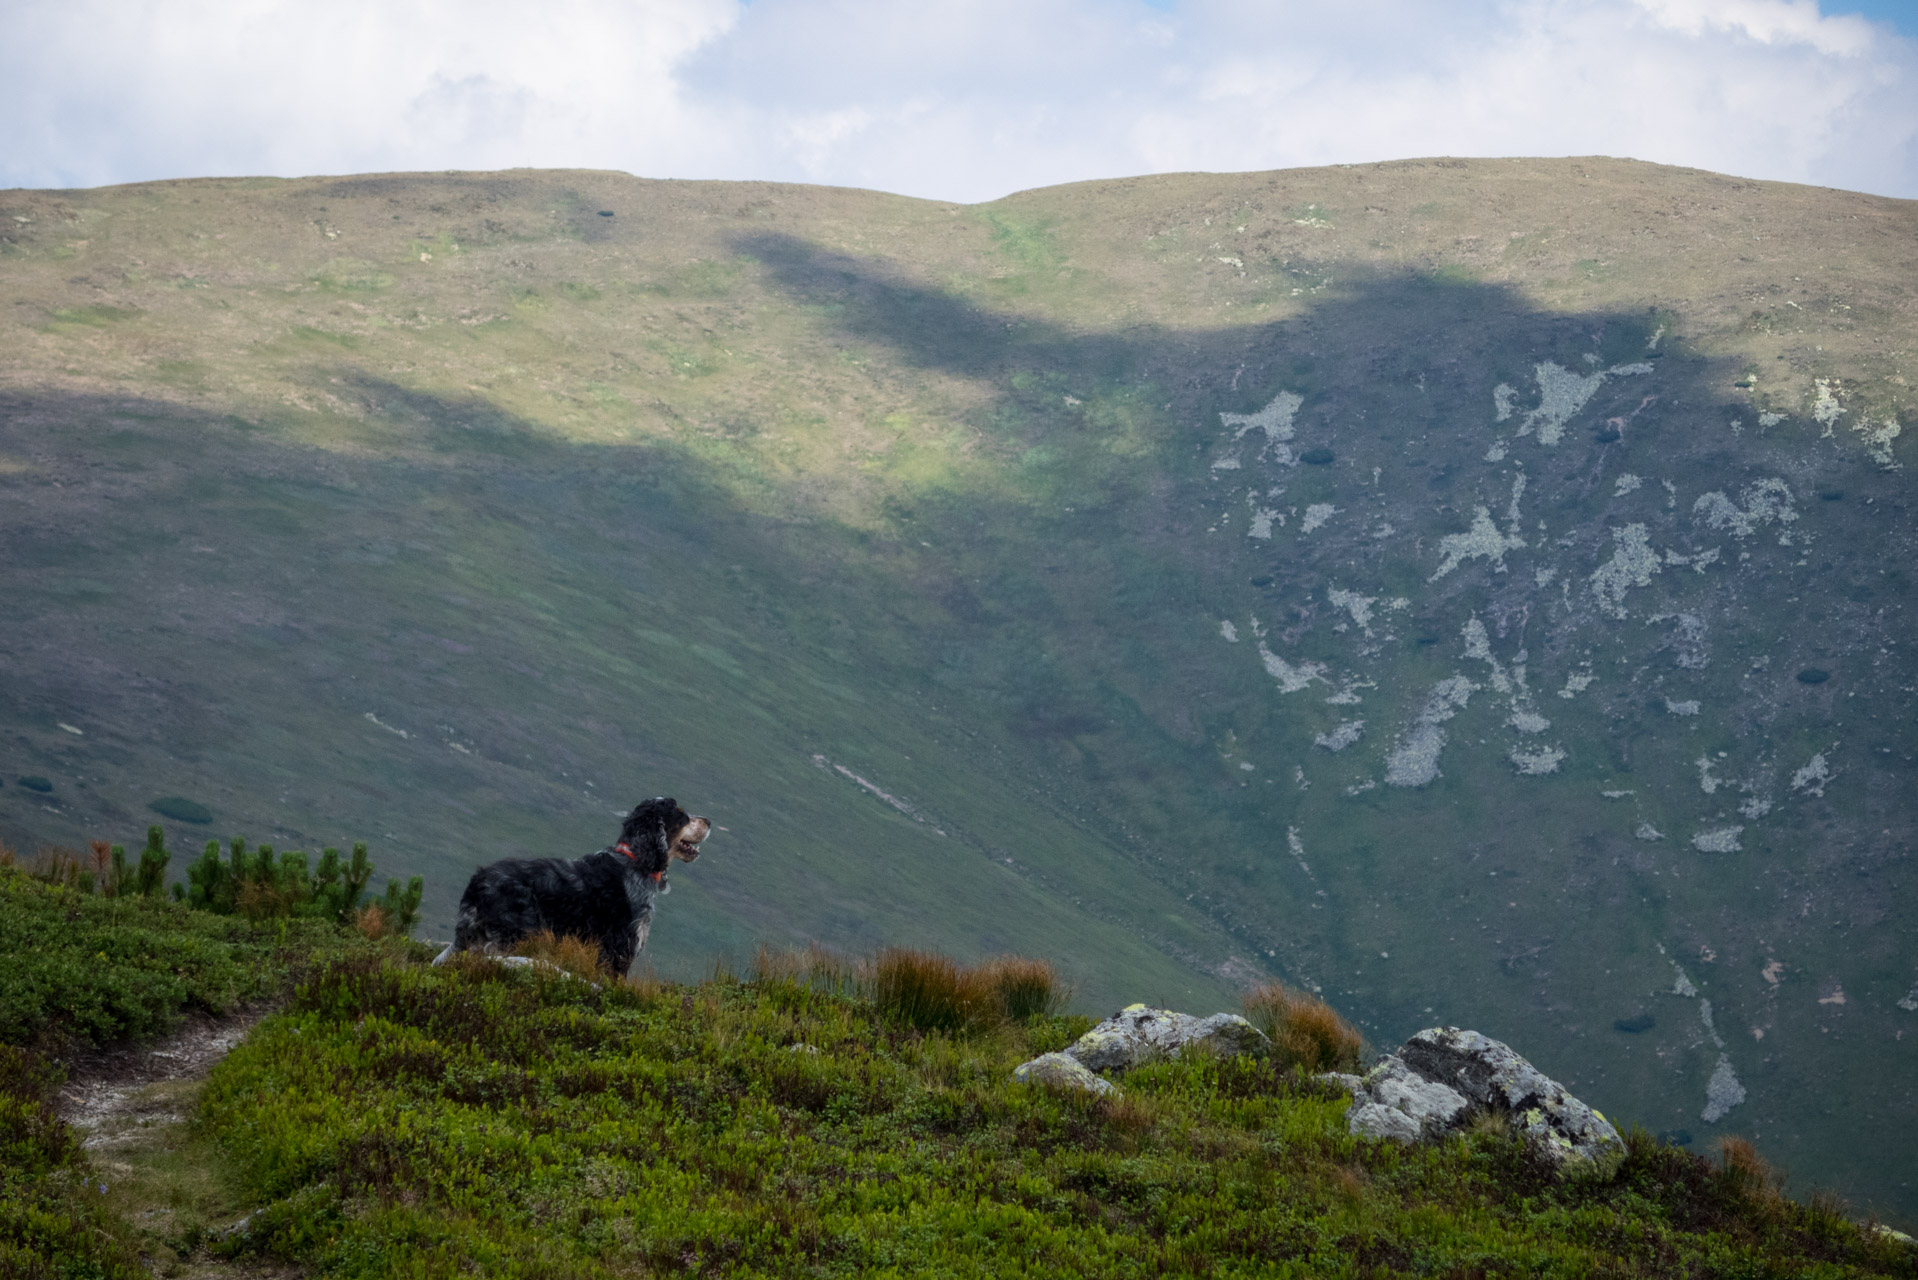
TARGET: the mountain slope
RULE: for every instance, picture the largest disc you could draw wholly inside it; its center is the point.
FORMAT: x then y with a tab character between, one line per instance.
1475	589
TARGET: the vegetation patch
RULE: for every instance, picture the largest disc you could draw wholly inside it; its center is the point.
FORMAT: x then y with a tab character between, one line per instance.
401	1119
183	809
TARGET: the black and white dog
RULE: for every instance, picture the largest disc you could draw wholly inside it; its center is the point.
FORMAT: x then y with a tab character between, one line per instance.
605	897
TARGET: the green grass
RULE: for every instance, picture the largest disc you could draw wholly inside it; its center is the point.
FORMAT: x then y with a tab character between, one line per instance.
405	1121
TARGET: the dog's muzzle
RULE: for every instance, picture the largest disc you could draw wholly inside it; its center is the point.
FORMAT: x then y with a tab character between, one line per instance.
685	845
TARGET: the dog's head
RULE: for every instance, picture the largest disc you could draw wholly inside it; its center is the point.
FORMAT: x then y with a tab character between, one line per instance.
659	829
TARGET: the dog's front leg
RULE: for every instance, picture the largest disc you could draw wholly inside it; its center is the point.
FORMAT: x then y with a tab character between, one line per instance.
616	955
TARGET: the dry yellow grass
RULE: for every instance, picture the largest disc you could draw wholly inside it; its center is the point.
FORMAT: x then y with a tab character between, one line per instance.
934	993
573	955
1305	1031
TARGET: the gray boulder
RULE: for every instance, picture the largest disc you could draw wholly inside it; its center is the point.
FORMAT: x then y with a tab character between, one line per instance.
1442	1079
1569	1134
1137	1035
1061	1072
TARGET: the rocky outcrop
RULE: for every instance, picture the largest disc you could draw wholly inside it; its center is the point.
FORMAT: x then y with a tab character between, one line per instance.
1137	1035
1442	1079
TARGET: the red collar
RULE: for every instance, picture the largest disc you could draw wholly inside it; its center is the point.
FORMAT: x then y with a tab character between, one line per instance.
623	847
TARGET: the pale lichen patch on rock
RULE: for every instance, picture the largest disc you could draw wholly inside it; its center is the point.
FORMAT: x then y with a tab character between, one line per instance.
1562	393
1230	632
1316	515
1360	607
1414	762
1347	733
1482	541
1646	831
1291	678
1814	777
1627	483
1766	502
1577	682
1536	762
1689	707
1718	840
1722	1092
1275	421
1632	564
1878	440
1825	409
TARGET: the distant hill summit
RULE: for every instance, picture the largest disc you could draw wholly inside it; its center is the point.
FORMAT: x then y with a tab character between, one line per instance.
1476	590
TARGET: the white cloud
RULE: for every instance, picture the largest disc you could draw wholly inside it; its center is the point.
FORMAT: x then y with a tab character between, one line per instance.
958	99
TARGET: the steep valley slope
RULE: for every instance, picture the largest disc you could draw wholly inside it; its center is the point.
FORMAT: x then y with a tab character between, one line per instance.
1475	590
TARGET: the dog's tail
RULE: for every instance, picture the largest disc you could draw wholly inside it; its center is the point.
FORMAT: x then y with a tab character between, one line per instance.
447	954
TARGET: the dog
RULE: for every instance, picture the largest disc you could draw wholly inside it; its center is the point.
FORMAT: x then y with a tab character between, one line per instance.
605	897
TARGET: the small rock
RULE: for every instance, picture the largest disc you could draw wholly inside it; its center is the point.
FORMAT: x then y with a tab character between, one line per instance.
1373	1120
1137	1034
1433	1109
1061	1071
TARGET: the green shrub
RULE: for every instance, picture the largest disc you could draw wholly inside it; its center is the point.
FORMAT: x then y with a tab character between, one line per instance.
79	966
51	1220
183	809
261	884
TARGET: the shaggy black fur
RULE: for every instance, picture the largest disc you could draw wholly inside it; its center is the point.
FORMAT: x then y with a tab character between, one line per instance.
605	897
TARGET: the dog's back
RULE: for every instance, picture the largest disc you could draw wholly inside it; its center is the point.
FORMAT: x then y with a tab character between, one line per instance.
589	898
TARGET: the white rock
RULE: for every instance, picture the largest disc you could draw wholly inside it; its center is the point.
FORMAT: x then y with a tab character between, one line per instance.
1137	1034
1061	1071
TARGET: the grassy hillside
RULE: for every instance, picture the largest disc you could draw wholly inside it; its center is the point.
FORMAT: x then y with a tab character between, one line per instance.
1004	578
398	1119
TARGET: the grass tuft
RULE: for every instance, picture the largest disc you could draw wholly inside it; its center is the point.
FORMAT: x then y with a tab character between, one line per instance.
931	992
1306	1032
564	952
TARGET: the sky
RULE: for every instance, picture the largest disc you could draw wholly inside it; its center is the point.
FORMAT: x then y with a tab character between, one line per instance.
962	100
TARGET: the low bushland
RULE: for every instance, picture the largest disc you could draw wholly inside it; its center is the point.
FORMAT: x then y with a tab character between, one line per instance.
93	951
52	1222
821	1116
399	1119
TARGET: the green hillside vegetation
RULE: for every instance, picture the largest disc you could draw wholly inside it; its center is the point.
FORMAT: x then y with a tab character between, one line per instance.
90	960
1408	581
815	1118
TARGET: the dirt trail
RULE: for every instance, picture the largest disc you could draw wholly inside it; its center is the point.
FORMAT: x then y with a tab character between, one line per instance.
133	1105
110	1093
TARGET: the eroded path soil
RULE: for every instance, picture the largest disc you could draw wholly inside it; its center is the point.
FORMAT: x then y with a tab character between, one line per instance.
134	1105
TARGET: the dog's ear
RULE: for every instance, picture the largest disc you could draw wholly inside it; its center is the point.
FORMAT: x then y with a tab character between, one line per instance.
646	827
